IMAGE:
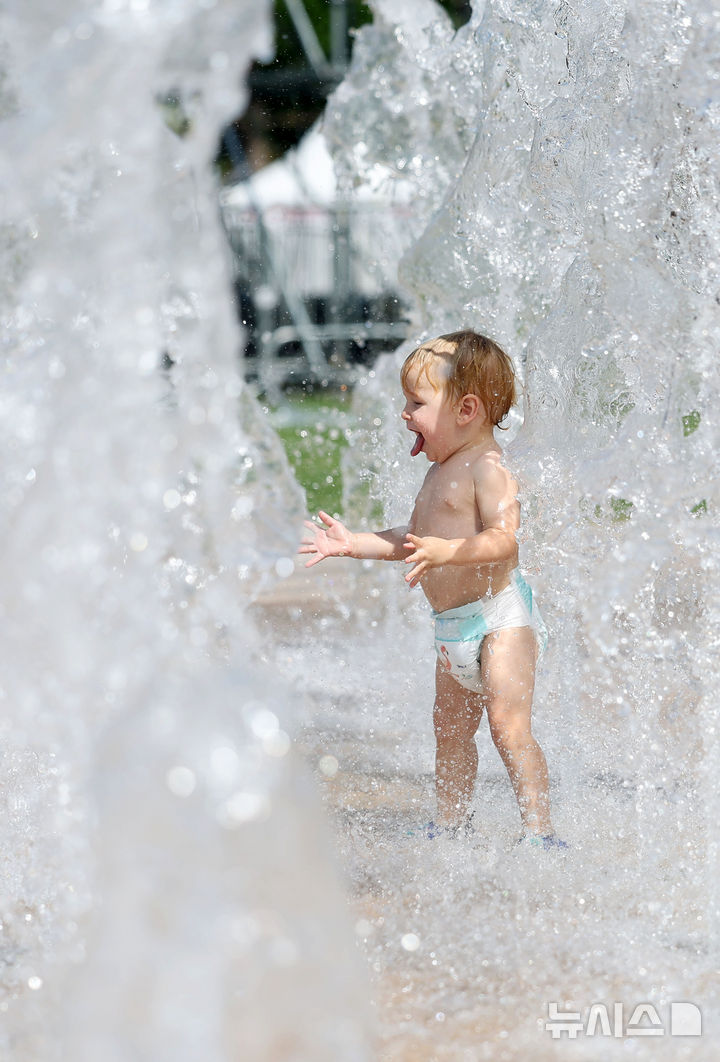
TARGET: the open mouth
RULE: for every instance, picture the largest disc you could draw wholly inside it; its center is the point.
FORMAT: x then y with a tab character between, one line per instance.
417	445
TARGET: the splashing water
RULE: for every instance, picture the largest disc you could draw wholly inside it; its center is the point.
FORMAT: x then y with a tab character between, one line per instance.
167	891
566	168
156	831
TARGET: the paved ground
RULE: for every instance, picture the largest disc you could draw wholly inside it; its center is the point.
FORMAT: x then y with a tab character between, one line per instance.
466	942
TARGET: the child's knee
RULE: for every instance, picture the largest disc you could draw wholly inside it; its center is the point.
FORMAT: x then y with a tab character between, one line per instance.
457	716
458	724
510	734
454	731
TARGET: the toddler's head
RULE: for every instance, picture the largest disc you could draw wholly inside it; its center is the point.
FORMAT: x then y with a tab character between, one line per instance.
465	363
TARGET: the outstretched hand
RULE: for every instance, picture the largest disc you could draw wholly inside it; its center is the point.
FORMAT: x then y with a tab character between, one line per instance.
333	540
427	553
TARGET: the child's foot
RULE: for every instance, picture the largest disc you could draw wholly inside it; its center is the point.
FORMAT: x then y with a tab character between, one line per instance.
546	842
431	830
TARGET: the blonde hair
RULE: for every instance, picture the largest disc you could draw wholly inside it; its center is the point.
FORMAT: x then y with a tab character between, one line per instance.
474	365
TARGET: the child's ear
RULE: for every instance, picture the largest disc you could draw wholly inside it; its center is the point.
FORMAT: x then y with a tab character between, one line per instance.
470	407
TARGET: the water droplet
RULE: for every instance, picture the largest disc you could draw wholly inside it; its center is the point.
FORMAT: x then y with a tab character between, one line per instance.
277	744
284	567
224	763
328	766
171	499
147	363
264	723
180	781
245	807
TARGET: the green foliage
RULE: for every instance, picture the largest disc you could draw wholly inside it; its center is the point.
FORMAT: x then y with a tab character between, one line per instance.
621	508
364	508
288	49
174	113
600	389
700	509
690	422
620	511
314	439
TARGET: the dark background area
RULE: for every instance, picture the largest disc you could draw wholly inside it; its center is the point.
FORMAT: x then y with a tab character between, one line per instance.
301	329
288	94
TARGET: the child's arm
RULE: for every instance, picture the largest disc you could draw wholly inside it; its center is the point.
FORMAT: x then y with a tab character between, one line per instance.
334	540
499	510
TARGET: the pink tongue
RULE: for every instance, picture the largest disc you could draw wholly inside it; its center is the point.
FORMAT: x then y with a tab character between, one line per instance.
417	445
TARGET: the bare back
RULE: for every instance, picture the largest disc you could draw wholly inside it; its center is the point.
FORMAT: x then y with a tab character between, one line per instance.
460	497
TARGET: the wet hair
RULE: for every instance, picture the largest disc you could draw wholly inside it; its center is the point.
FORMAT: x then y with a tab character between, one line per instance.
473	365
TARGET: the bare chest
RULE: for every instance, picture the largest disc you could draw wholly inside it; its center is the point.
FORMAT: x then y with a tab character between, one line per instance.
446	505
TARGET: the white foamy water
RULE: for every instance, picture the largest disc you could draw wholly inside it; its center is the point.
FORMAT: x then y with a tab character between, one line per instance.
168	888
565	160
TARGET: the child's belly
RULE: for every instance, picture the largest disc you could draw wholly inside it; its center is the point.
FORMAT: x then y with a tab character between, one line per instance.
455	585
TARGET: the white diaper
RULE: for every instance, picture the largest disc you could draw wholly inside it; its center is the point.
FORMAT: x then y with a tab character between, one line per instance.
459	632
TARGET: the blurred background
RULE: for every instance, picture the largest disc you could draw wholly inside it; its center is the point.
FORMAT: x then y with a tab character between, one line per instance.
170	673
308	287
317	301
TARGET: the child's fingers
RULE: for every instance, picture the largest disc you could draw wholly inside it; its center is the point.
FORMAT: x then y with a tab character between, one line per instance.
413	577
325	518
314	560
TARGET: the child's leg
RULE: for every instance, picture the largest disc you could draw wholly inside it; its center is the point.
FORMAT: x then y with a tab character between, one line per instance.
456	718
508	674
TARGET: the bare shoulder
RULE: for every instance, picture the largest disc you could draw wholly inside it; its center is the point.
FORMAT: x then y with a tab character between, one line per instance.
496	492
489	472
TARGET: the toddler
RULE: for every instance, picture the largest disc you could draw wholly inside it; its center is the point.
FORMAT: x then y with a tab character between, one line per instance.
460	547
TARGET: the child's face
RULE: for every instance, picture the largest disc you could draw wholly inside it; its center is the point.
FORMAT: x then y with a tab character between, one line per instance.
429	414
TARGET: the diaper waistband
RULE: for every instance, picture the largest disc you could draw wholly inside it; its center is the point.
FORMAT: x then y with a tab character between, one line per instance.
472	608
513	606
